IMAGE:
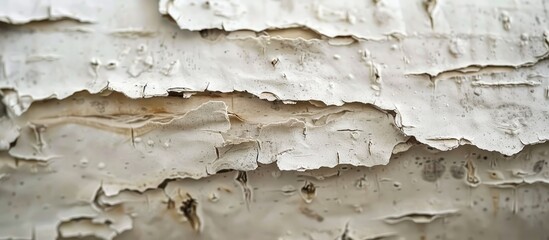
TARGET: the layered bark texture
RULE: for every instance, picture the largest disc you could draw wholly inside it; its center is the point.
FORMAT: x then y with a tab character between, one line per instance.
274	119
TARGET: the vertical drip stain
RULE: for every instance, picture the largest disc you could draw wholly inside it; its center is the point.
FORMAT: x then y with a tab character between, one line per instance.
242	179
308	192
38	130
472	179
188	208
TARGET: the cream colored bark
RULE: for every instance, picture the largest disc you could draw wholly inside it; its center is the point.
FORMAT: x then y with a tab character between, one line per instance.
274	119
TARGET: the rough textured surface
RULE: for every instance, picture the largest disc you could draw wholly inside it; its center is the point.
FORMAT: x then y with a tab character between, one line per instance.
363	19
421	192
490	85
170	119
21	12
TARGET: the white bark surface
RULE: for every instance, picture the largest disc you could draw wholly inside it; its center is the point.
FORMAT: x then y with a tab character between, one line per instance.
274	119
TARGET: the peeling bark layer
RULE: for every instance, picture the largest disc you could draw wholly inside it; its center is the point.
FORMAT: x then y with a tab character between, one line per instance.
382	119
492	84
420	193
